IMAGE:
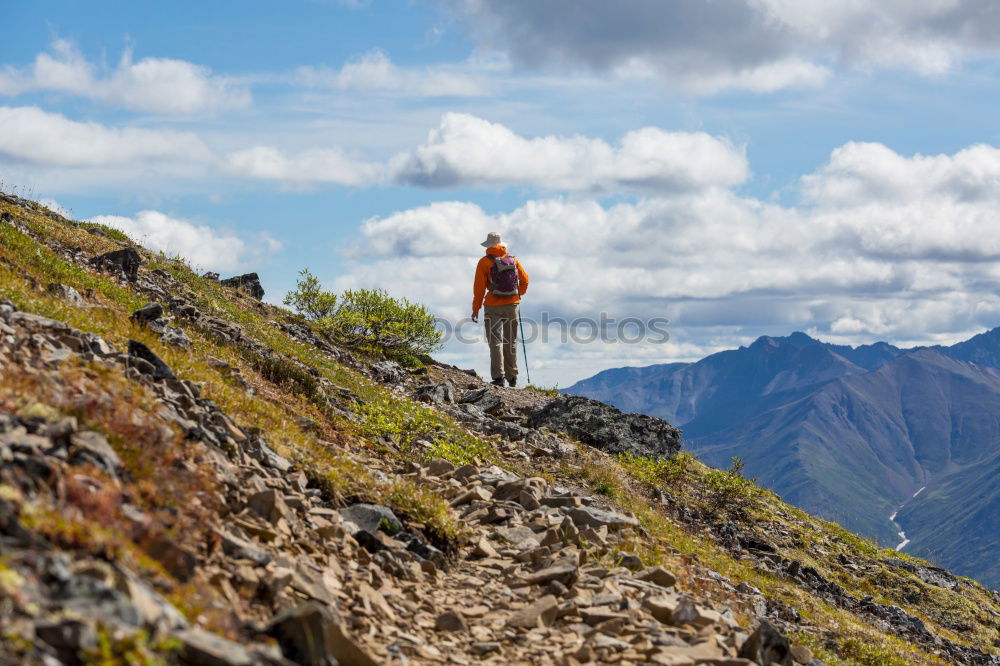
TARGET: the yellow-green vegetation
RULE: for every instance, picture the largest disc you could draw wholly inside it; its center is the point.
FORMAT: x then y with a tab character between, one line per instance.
129	649
10	580
405	424
283	391
724	495
729	489
858	651
551	391
654	471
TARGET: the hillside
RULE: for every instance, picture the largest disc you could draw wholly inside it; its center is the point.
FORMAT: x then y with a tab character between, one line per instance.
849	433
192	476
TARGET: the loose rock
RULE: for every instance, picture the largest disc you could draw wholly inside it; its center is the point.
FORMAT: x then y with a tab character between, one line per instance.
767	645
248	282
539	614
125	261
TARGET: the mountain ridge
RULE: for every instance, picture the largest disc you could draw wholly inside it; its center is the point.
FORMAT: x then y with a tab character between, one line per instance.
193	477
856	429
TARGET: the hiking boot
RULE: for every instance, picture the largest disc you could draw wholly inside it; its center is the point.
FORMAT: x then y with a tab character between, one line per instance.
497	382
512	382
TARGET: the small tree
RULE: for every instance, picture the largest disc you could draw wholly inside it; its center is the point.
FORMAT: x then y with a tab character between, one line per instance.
367	318
309	299
373	317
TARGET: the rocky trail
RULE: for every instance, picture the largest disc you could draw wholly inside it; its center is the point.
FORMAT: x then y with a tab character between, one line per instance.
522	592
196	488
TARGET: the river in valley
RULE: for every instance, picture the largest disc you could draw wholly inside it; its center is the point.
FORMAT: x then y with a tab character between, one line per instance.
902	534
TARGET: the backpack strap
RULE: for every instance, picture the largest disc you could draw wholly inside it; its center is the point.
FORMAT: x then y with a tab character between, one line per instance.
497	260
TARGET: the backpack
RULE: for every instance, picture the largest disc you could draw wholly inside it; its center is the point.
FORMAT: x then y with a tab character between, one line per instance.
503	276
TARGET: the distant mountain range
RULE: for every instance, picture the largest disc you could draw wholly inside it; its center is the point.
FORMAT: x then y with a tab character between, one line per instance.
859	435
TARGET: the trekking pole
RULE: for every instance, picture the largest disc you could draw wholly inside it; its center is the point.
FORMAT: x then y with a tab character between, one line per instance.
524	348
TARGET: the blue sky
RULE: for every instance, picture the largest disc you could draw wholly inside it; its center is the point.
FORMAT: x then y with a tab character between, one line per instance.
741	168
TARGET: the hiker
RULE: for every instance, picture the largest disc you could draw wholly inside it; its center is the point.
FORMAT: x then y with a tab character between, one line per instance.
502	280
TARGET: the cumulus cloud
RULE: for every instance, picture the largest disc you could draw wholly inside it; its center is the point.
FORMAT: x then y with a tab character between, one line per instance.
469	151
311	166
758	45
31	135
463	151
934	207
375	72
881	245
872	172
202	245
159	85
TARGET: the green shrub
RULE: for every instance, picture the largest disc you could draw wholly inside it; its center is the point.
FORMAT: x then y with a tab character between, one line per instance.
309	299
369	319
729	487
373	318
606	488
408	361
654	471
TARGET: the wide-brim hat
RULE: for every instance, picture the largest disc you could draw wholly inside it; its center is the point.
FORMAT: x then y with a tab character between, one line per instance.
492	238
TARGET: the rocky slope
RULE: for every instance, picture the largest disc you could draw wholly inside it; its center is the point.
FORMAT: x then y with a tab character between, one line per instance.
191	476
849	433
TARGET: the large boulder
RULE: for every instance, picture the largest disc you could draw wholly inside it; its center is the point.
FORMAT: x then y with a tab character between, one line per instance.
248	282
160	370
486	400
388	372
767	645
441	393
606	428
147	314
314	635
930	575
125	261
371	518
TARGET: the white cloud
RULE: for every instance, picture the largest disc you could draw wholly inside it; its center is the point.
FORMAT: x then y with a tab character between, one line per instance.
39	137
756	45
440	229
469	151
203	246
375	72
928	37
158	85
792	72
317	165
883	245
871	172
925	206
766	78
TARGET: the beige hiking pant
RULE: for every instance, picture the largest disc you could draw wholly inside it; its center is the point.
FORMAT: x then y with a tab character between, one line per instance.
501	335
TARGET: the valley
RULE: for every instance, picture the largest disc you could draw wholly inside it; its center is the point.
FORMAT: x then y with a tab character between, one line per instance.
848	433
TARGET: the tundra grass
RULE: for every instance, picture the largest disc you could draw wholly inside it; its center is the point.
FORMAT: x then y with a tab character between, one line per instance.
968	617
26	265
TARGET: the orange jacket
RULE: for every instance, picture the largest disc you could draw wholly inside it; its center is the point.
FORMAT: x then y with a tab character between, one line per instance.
479	285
